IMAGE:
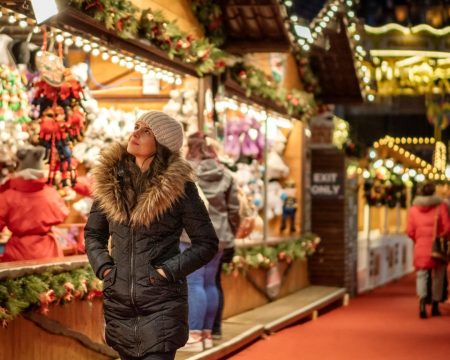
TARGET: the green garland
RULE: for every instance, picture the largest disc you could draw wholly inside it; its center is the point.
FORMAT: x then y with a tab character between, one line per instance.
265	257
123	17
255	81
209	15
38	291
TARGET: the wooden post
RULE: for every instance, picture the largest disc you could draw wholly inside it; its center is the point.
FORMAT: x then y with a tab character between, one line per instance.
386	220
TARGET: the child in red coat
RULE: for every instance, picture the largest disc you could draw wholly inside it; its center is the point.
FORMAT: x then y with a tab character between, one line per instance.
29	208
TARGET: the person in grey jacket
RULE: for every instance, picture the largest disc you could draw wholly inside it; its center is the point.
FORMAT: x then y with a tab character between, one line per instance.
144	196
217	184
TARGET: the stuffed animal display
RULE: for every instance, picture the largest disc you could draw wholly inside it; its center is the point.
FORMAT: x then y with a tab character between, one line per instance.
14	109
183	107
244	138
107	126
289	207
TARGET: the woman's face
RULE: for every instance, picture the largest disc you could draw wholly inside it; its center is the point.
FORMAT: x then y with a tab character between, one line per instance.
142	142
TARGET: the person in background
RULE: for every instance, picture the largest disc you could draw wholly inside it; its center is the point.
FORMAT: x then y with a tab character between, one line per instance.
427	219
29	208
218	187
144	197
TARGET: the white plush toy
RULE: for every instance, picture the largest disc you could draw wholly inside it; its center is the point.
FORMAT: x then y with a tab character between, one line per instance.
275	201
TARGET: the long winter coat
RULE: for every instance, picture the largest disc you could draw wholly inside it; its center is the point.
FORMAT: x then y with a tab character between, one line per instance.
145	312
421	228
29	208
219	188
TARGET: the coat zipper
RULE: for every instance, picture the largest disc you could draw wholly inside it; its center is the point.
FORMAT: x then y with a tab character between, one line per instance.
132	290
132	280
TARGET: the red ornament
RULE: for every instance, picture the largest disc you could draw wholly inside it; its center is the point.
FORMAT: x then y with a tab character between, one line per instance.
47	297
219	64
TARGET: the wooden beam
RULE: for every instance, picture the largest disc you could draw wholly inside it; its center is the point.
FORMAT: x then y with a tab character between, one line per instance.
114	79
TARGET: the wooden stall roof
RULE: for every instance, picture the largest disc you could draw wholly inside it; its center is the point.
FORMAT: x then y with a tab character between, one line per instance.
255	26
335	68
78	23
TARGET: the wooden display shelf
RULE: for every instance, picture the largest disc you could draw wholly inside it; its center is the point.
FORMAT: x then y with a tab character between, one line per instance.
233	89
28	267
78	23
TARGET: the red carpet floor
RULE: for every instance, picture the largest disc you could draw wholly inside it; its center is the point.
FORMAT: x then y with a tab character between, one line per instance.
382	324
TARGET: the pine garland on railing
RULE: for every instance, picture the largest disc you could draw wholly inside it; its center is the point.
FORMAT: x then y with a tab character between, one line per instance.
39	291
265	257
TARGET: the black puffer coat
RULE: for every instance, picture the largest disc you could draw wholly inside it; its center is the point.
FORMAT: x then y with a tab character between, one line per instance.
145	312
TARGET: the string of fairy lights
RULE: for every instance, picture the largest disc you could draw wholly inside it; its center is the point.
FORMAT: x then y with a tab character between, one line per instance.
422	169
304	36
92	46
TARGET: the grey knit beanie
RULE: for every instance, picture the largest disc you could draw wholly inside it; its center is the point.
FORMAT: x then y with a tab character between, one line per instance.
167	130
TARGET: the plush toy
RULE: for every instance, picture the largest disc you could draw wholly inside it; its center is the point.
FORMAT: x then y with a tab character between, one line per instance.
275	201
289	206
244	138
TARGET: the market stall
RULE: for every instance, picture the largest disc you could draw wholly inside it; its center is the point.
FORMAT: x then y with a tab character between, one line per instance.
116	72
387	187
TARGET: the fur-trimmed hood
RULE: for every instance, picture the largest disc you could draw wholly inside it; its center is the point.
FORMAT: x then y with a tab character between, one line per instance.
426	203
159	194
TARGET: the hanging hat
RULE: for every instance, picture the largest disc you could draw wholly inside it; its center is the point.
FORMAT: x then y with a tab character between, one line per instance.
30	157
167	130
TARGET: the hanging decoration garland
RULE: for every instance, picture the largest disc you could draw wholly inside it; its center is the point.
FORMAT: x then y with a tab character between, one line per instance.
129	21
58	96
266	257
384	185
209	15
39	291
256	82
121	16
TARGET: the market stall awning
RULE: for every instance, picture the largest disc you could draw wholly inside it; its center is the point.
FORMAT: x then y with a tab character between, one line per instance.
334	67
254	26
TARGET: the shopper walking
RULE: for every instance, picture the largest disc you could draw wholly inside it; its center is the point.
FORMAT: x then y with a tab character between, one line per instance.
216	183
427	219
144	197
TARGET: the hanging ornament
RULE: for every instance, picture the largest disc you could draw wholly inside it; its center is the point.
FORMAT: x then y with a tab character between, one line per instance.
58	96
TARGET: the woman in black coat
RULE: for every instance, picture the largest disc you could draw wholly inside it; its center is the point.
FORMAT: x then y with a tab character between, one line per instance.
144	196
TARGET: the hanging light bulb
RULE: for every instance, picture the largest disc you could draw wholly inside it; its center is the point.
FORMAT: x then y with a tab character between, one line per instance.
87	48
123	62
59	38
36	29
12	19
68	41
115	59
96	52
130	65
78	41
105	56
23	24
178	81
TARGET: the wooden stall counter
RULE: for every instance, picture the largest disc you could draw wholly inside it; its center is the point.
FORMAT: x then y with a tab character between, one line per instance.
254	287
72	331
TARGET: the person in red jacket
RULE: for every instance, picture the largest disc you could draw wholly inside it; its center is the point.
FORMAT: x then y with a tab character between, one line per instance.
427	219
29	208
